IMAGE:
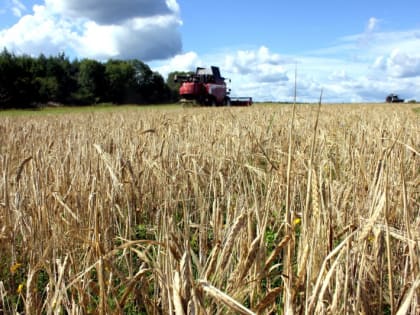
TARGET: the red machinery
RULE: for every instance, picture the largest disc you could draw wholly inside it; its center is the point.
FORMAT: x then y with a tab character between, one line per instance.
208	87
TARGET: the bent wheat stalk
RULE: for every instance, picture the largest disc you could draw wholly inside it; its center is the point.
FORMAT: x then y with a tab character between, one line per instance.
224	298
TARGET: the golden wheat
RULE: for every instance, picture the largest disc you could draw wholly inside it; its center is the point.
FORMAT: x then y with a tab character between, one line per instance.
269	209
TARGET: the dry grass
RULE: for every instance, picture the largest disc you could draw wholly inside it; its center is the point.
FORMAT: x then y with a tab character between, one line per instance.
211	211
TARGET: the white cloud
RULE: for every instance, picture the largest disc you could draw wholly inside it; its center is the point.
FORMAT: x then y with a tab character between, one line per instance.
399	55
16	12
403	65
253	72
17	8
372	24
92	44
141	29
380	63
37	33
339	75
109	11
140	38
183	62
173	6
259	73
247	61
350	71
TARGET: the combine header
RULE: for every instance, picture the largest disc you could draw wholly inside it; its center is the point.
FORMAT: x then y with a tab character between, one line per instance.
207	87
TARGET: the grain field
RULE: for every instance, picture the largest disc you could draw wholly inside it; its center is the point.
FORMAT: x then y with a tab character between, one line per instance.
263	210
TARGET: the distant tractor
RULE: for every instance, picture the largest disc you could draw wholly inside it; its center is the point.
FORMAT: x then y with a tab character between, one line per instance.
393	98
207	87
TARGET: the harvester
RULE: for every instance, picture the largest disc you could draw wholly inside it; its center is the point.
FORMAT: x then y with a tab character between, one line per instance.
207	87
393	98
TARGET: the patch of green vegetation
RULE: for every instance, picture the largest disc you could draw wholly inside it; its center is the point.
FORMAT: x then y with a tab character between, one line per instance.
416	110
270	239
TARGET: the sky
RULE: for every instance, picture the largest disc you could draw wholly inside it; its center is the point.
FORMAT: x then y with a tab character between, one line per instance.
354	51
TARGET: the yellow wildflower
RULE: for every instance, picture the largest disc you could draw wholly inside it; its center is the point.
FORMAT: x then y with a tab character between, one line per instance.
296	221
15	267
20	288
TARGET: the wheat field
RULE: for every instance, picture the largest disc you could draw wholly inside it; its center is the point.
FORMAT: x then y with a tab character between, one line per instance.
300	209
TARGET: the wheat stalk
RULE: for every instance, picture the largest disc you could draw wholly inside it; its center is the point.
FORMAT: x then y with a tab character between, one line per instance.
224	298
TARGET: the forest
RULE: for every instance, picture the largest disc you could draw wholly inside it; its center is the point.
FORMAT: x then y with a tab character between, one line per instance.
28	82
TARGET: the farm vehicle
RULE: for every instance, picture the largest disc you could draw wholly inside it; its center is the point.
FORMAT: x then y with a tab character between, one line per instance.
207	87
393	98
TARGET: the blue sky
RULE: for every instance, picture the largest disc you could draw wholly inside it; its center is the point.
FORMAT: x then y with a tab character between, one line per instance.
356	51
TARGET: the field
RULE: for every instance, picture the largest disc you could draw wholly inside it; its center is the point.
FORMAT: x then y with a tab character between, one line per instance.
264	210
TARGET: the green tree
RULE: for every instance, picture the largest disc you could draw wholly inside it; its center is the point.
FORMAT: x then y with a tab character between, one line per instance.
27	81
143	79
7	70
151	86
91	80
46	84
17	88
120	79
160	92
60	78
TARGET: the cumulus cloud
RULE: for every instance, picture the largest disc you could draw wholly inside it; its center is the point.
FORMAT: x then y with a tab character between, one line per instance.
37	33
350	74
372	24
18	7
109	11
14	7
402	65
269	76
379	63
259	73
142	29
339	75
366	38
247	61
399	64
253	72
345	71
141	38
188	61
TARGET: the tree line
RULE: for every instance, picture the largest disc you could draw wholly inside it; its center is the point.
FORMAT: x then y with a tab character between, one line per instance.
26	81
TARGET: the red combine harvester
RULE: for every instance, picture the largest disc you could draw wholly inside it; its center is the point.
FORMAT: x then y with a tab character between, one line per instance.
207	87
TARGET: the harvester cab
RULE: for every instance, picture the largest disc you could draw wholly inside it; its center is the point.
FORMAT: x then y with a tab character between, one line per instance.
211	75
206	87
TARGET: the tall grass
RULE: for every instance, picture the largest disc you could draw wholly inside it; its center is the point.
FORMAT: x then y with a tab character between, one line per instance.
211	211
